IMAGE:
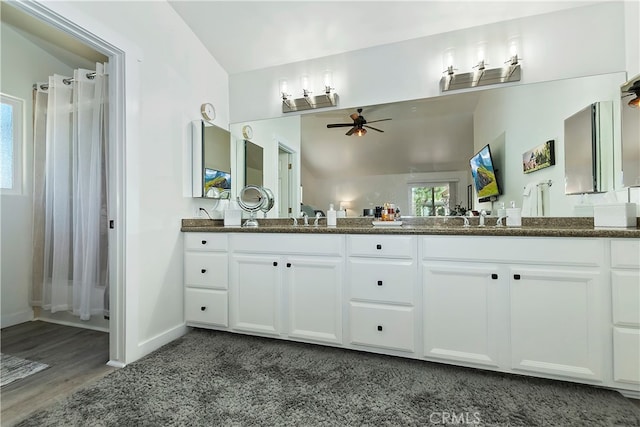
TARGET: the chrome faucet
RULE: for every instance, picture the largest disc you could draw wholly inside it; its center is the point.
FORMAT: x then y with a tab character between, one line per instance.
499	221
483	214
305	217
466	221
318	216
295	221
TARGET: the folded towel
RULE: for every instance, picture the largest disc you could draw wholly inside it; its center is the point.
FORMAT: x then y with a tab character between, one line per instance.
530	200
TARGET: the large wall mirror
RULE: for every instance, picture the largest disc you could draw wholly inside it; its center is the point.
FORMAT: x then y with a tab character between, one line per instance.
254	164
630	109
249	164
212	173
428	142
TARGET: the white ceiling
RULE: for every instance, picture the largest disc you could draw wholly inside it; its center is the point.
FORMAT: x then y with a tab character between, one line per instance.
250	35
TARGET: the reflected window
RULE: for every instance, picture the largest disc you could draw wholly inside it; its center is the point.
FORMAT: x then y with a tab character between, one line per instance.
10	144
429	199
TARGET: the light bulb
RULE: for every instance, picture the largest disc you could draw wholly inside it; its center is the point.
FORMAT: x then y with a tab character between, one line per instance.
304	81
361	132
283	89
514	50
448	60
327	79
482	55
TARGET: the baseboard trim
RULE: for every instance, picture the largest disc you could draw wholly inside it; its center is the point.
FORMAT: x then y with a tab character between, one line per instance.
16	318
116	364
154	343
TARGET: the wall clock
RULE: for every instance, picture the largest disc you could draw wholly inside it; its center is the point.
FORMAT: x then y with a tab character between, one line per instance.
208	111
247	132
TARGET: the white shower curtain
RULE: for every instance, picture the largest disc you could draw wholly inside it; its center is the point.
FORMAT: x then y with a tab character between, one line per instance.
70	212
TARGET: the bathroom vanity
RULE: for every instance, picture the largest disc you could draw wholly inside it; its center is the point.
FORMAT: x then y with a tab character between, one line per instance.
554	303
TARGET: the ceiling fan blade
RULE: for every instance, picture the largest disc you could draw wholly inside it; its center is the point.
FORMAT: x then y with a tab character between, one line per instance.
381	120
371	127
354	116
339	125
351	131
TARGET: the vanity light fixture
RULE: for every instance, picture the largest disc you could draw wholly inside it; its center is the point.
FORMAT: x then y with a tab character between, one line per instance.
307	101
481	76
634	89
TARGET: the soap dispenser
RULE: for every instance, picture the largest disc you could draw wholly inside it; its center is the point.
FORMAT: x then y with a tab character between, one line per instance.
331	216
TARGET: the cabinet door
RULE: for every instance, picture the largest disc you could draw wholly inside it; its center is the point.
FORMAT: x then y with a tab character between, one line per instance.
626	355
255	295
462	312
314	295
556	322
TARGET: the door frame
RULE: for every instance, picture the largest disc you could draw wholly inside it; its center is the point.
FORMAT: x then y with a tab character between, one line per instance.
292	173
116	172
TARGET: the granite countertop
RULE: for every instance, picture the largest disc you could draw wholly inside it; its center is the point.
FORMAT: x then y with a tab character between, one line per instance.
542	227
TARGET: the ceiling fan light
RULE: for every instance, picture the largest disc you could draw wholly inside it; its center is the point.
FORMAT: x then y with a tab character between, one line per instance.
635	102
360	132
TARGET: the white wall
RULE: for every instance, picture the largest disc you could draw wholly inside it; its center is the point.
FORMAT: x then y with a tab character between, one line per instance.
571	43
169	75
23	64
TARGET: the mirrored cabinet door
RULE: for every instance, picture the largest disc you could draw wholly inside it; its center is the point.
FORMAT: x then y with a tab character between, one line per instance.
211	159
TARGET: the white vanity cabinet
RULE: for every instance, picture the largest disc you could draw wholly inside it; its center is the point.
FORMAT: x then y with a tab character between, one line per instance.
562	308
625	299
287	285
521	304
382	282
206	267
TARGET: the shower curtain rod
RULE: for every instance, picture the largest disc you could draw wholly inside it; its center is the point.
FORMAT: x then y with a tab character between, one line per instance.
68	81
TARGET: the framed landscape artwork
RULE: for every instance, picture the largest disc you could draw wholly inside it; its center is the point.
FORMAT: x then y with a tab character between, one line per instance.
539	157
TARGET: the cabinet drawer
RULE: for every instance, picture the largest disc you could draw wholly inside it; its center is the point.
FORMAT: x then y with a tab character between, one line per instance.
625	253
206	306
205	242
288	244
525	250
382	280
382	326
625	288
206	269
381	246
626	353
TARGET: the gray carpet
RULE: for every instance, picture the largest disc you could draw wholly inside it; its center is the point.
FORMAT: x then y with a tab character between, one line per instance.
210	378
14	368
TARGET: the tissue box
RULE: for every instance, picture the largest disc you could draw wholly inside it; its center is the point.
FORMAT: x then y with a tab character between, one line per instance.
232	217
615	215
514	217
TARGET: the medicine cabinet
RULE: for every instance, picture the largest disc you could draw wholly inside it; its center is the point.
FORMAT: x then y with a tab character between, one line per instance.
588	149
211	159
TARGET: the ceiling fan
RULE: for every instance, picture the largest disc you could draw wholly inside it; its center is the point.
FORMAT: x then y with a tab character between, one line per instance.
358	126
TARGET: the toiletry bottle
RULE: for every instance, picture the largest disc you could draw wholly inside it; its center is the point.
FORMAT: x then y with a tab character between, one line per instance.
331	216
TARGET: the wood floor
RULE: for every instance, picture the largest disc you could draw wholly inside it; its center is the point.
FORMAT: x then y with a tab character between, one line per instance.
75	356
